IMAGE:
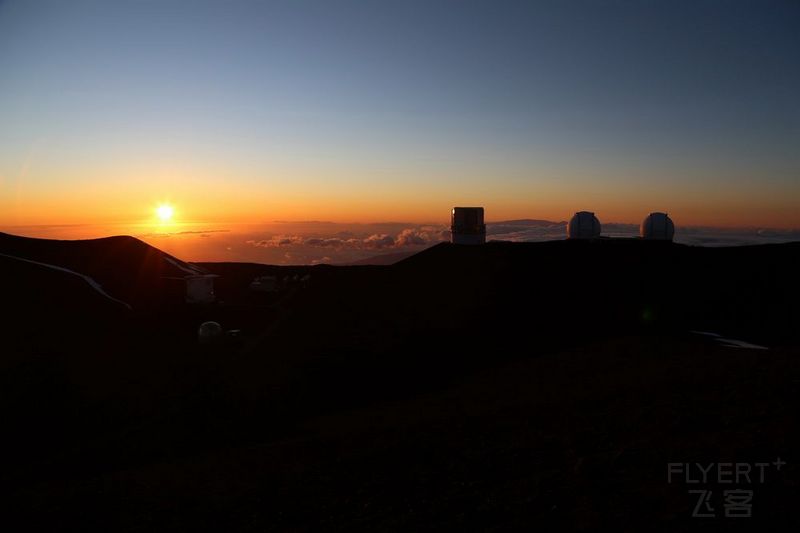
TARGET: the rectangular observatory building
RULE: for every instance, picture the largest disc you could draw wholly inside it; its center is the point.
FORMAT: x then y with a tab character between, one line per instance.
467	226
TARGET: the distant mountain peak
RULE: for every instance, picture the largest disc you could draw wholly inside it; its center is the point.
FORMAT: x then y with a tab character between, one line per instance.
527	222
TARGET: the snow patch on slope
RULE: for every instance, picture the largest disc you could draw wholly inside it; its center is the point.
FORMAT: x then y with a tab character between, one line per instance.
92	283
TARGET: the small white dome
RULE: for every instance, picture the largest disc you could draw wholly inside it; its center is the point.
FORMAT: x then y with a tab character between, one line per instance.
657	226
209	332
583	225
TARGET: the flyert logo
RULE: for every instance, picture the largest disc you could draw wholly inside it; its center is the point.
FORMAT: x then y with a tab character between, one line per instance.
736	502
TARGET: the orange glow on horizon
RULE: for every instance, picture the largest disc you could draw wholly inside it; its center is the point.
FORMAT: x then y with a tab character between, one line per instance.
199	196
685	214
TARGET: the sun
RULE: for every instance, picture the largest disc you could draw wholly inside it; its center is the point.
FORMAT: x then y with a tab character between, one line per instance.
165	212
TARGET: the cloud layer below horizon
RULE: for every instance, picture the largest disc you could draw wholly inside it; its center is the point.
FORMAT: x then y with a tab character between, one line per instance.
316	242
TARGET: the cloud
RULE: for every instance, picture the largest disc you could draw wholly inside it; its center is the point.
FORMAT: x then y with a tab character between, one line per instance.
276	241
411	237
526	230
706	236
542	230
351	243
333	241
343	240
379	241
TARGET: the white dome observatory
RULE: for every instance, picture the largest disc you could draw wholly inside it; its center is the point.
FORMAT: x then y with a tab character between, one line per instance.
467	226
583	225
657	227
209	333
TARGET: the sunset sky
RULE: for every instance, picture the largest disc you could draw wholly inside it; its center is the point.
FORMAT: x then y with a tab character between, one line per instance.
372	111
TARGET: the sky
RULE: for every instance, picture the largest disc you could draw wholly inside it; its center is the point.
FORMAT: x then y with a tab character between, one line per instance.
363	112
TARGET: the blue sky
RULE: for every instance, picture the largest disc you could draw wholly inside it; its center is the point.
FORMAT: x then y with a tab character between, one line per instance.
324	107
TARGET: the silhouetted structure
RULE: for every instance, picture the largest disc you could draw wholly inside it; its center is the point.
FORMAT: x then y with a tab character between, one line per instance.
467	226
583	225
209	333
200	288
657	226
264	284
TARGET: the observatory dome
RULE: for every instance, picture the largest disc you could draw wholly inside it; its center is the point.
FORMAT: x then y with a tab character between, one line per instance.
657	226
583	225
209	332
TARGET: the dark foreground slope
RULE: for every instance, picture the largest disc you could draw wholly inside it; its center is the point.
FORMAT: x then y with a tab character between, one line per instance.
127	268
503	387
